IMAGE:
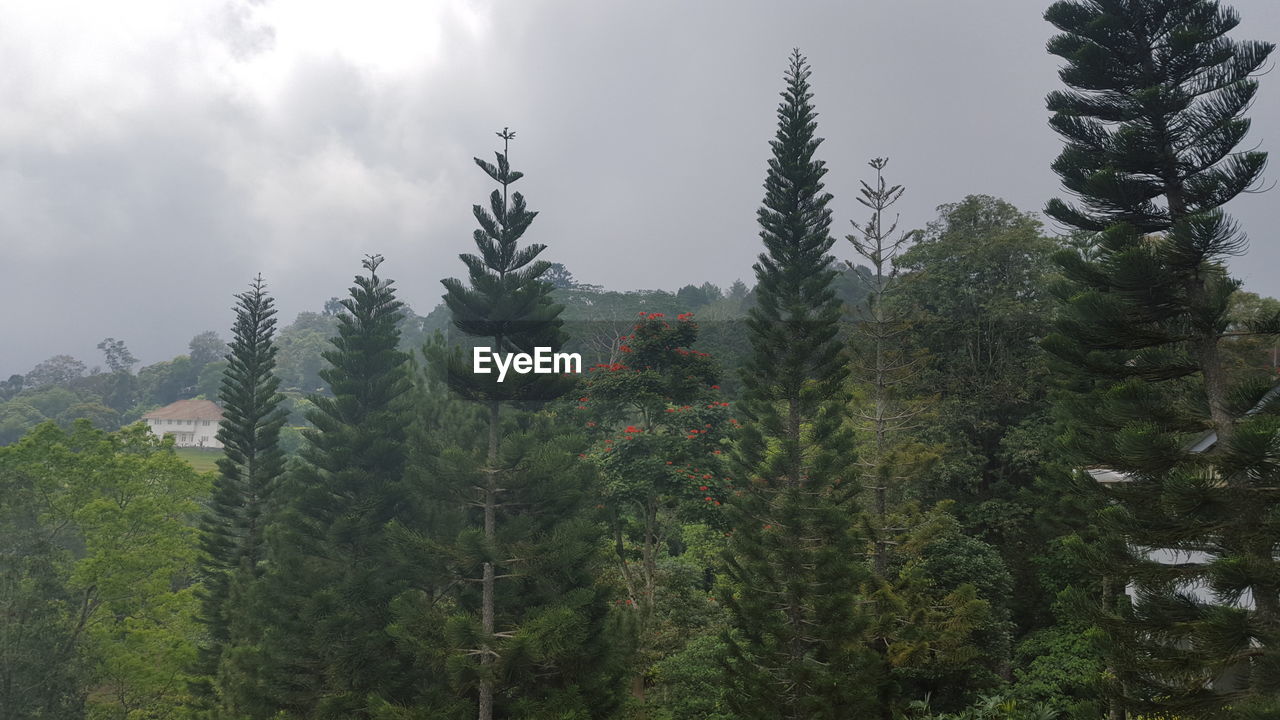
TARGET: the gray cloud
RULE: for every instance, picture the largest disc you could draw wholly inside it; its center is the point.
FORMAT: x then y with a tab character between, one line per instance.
151	163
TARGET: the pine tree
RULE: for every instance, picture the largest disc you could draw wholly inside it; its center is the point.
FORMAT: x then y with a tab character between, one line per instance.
333	572
521	641
231	532
794	559
882	362
1152	122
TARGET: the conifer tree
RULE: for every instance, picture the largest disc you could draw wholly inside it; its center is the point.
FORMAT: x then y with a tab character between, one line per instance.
937	640
528	549
231	537
326	651
794	559
1152	123
881	361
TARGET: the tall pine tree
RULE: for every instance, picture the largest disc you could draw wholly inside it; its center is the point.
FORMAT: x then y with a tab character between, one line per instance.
531	643
1152	122
231	532
794	559
333	571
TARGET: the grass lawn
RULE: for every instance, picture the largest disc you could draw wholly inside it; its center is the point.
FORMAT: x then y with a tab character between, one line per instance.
201	459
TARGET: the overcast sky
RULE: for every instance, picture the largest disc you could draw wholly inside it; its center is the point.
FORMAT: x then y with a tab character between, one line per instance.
155	155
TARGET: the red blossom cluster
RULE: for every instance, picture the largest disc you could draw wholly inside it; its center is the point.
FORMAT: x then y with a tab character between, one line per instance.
611	367
685	316
633	429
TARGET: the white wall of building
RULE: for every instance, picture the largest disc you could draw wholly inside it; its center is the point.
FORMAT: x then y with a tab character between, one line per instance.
188	433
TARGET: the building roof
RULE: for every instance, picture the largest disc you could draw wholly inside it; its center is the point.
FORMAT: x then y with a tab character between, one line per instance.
186	410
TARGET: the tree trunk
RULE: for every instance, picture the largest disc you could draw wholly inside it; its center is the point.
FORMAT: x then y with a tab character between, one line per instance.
487	582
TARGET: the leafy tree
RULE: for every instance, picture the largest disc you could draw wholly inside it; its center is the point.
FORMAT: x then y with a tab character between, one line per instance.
118	357
42	674
57	370
794	561
167	381
527	546
301	348
16	418
232	530
326	652
660	425
205	348
11	387
1152	121
101	416
114	538
559	276
975	288
51	400
210	379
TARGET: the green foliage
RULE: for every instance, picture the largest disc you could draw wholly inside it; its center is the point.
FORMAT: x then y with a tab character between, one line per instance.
659	426
526	628
300	351
16	418
690	684
233	527
101	416
57	370
1062	667
1141	341
976	288
332	574
794	562
975	295
110	517
506	302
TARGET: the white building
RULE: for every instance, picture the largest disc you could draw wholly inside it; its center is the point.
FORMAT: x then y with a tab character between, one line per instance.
193	423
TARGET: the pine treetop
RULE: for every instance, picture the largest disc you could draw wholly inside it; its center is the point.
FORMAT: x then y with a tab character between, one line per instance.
506	299
1154	114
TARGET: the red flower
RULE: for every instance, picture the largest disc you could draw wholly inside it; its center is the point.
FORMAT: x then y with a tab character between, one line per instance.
708	498
715	387
624	348
632	429
703	488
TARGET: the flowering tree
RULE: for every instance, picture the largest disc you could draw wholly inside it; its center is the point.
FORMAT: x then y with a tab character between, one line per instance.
659	423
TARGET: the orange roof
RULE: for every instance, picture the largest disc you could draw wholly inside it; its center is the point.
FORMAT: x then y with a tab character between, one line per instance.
186	410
